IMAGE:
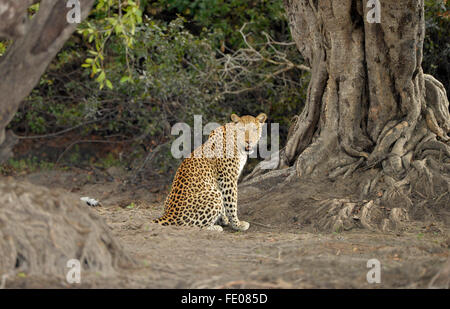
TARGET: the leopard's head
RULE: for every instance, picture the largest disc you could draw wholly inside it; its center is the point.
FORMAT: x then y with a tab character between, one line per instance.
248	130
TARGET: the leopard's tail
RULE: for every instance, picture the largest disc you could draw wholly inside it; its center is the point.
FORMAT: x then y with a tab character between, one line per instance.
162	220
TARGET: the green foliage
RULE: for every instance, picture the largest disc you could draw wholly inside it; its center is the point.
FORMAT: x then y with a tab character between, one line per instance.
172	75
2	48
109	161
25	165
171	71
109	18
226	17
135	68
131	206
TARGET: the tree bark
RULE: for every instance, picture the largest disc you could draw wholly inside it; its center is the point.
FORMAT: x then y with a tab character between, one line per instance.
41	229
36	43
371	115
369	104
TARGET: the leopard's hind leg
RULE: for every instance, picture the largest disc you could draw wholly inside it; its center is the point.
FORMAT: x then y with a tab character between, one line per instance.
204	208
201	209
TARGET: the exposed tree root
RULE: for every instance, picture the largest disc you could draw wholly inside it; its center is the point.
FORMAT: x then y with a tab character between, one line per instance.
336	215
399	149
374	110
41	230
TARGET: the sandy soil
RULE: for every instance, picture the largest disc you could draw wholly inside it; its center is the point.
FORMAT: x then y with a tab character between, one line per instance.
280	250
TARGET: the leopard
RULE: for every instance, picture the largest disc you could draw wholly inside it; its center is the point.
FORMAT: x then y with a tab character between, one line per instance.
204	191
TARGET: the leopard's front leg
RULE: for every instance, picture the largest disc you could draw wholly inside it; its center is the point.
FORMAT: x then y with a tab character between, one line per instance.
230	204
223	219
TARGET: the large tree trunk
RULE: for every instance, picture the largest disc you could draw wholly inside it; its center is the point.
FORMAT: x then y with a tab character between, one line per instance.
369	104
36	43
368	101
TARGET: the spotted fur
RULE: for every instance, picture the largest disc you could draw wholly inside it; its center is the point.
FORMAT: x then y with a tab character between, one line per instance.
204	190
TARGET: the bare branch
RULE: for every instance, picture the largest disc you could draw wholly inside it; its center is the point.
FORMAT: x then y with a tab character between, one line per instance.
249	65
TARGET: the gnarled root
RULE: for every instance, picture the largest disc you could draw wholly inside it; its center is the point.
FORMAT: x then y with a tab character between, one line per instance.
342	214
41	230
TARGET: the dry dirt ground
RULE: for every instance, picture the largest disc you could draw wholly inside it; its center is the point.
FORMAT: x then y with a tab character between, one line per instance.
280	250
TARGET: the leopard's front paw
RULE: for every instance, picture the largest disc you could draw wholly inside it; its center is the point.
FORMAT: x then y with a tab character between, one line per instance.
243	226
216	228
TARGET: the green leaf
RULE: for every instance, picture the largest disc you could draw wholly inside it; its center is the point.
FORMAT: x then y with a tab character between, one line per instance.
109	84
124	79
101	77
21	275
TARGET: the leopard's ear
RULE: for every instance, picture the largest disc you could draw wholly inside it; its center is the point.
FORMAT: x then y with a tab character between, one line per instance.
235	118
261	117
